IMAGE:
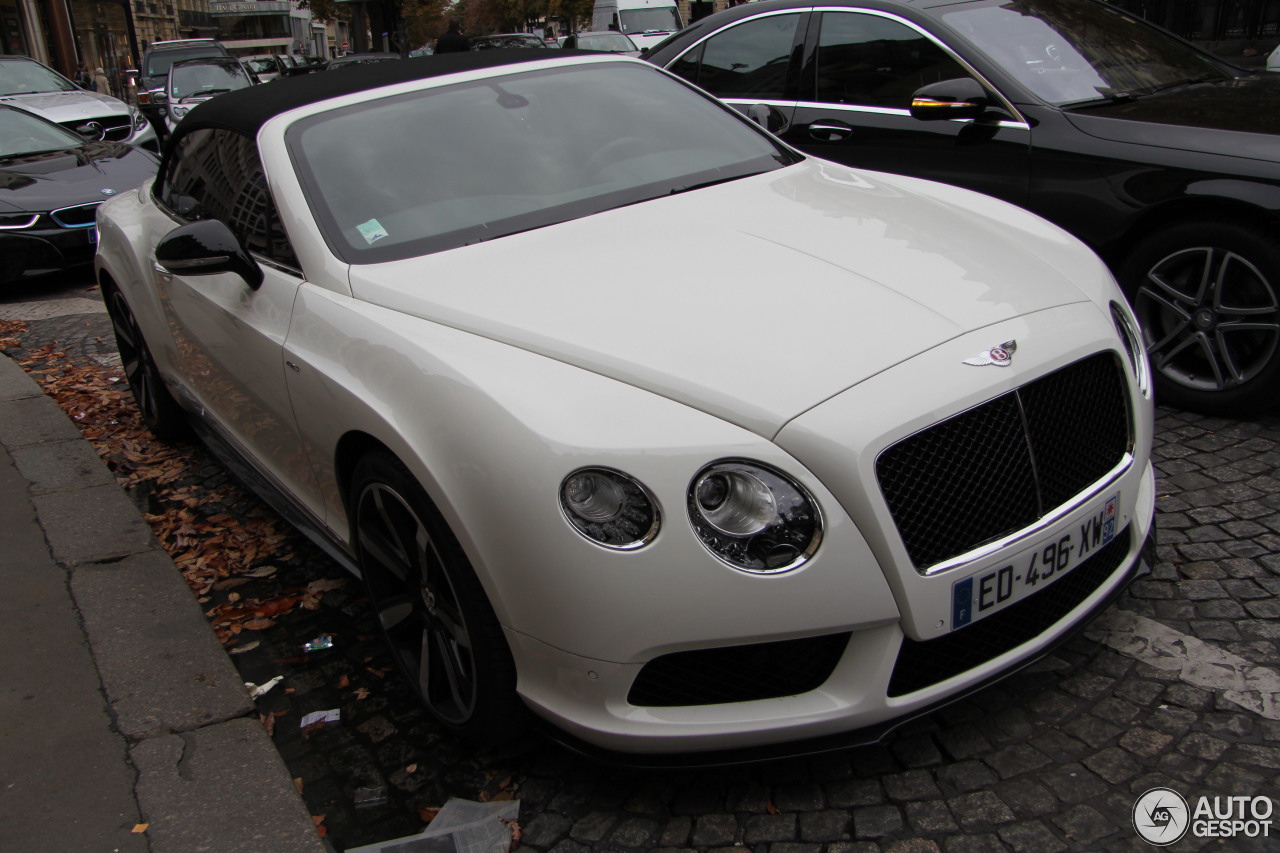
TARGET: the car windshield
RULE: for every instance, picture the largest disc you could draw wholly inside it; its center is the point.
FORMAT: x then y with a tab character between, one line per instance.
161	60
659	19
613	42
25	134
202	78
431	170
23	77
1069	52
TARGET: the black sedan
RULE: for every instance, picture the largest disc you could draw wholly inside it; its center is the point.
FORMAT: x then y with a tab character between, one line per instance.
51	183
1163	158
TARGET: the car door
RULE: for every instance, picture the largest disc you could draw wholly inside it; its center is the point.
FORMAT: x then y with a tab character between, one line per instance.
228	337
860	70
752	65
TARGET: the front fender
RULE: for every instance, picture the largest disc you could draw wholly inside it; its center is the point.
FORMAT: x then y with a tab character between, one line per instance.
490	431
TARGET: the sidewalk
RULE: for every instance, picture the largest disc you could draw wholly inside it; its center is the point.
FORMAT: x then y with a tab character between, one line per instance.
123	725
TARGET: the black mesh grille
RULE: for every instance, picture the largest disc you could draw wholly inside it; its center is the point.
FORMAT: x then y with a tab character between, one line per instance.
738	673
999	467
922	663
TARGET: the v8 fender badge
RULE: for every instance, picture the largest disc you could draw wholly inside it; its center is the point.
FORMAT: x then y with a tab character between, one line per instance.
1000	356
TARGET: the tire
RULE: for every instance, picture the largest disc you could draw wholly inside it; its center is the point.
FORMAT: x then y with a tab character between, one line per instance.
431	607
1207	296
160	411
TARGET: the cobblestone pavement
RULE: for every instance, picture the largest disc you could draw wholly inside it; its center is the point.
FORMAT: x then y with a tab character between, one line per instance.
1174	687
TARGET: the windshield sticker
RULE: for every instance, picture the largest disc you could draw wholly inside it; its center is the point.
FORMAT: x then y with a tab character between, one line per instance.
372	231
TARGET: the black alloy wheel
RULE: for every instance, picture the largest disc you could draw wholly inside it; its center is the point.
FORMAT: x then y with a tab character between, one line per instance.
431	606
1207	296
160	411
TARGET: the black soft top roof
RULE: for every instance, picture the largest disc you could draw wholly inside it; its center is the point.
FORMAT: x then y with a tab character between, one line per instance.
246	110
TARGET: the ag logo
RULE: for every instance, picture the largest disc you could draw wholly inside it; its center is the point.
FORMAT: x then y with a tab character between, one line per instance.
1161	816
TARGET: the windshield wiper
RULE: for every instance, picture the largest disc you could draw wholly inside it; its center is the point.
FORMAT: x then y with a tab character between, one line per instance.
1103	99
1183	84
714	181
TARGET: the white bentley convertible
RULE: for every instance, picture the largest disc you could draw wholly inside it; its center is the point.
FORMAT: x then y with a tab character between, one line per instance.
761	452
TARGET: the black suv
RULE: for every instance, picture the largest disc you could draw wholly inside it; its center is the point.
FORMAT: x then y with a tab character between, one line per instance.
154	72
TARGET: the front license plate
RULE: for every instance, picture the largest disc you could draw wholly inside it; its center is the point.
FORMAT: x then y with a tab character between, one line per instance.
93	235
978	596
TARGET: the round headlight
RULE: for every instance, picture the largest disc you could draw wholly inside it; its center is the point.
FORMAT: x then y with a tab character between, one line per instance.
754	518
609	508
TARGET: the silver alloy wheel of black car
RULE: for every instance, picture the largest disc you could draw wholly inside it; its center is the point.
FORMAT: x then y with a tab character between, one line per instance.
160	412
1208	299
430	605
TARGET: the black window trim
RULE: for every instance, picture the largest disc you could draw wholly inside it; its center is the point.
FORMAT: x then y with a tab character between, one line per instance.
792	88
809	77
172	161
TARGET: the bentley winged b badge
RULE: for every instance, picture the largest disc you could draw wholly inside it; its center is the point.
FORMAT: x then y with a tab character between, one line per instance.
1000	356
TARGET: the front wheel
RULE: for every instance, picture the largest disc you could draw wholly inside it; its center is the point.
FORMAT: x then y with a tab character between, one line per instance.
1207	296
431	607
160	412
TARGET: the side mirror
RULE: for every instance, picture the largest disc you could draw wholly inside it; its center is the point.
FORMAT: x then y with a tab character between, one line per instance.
960	98
159	98
206	247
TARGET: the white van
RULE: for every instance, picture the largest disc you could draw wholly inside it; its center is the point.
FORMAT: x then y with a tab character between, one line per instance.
647	22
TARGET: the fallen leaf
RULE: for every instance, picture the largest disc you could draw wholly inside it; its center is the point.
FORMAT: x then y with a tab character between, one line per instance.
515	834
428	814
412	768
140	828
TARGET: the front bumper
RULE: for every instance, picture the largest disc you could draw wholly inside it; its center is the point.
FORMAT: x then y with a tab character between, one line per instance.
27	254
588	702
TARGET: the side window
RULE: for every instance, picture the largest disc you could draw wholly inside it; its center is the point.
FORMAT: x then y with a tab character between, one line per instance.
216	174
876	62
750	60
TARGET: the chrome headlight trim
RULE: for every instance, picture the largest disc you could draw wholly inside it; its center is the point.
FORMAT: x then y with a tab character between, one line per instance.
753	517
610	508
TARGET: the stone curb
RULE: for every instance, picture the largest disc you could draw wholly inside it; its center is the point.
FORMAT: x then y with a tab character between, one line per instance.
206	775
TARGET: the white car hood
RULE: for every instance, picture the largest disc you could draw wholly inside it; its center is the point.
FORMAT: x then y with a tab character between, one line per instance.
62	107
753	300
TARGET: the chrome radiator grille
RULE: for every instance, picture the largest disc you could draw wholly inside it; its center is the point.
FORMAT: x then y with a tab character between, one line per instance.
1001	466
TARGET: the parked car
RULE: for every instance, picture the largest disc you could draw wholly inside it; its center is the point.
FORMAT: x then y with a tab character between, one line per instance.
194	81
264	66
605	42
1273	60
868	443
353	60
1161	157
29	85
154	73
646	22
503	41
51	183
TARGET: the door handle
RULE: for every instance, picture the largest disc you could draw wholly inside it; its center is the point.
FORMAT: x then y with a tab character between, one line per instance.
830	131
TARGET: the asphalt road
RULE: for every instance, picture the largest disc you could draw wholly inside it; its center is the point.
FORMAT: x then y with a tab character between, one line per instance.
1177	686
